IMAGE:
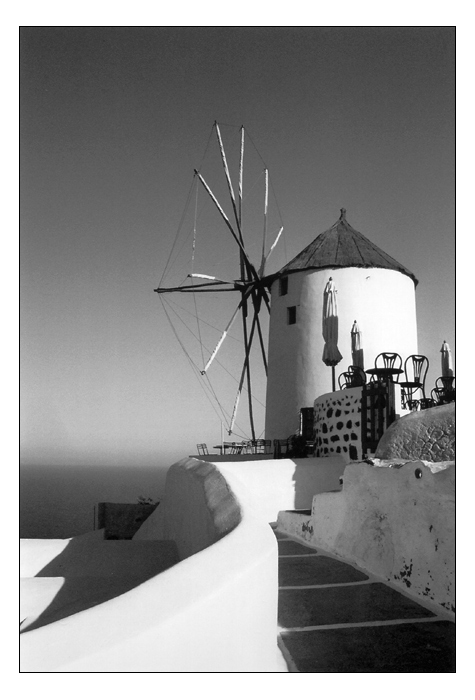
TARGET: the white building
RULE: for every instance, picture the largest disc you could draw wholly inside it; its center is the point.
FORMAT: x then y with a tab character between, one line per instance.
372	288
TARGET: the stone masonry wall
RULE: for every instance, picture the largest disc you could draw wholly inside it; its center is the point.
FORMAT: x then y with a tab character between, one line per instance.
428	435
337	423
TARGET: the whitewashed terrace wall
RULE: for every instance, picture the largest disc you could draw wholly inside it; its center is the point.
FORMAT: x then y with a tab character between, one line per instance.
276	484
214	611
397	522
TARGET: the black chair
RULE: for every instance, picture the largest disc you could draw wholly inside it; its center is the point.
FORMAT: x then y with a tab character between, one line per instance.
445	382
415	370
237	448
438	395
388	360
343	380
442	392
202	449
357	376
261	446
387	367
281	447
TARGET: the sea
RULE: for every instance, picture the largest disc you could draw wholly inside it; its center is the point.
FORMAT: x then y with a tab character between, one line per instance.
61	501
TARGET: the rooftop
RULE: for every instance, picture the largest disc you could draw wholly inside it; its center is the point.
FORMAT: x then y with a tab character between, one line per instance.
342	246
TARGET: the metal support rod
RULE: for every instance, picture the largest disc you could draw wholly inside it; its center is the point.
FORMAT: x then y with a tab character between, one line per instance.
261	341
247	350
243	374
264	237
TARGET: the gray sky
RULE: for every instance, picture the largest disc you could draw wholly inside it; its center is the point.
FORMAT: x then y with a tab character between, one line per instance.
113	122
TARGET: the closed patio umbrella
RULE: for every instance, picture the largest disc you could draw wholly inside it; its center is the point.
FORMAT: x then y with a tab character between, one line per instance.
356	349
446	360
331	355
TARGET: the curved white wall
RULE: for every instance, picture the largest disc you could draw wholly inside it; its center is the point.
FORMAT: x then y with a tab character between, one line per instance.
382	301
215	611
284	484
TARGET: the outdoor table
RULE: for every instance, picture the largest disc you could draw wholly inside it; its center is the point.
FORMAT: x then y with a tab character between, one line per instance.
383	373
231	447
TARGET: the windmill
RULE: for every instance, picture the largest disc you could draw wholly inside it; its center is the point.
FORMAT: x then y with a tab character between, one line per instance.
251	283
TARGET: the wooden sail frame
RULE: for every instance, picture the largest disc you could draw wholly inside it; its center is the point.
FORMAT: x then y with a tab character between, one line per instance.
251	284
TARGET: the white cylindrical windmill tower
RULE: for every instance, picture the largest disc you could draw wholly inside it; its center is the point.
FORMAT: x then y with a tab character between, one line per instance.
372	288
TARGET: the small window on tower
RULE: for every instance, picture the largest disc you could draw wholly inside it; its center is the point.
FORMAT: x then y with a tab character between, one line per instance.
291	315
283	286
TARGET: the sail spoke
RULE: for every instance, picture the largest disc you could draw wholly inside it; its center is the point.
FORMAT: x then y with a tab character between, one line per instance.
241	164
195	287
230	184
266	204
249	267
273	245
226	330
196	275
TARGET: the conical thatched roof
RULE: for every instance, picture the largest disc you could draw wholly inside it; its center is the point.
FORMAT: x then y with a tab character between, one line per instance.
342	246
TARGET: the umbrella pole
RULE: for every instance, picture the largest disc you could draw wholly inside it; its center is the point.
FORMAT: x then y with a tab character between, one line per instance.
333	378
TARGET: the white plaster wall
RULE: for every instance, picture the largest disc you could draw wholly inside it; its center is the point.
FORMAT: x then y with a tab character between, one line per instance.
36	554
391	523
383	303
198	508
215	611
279	484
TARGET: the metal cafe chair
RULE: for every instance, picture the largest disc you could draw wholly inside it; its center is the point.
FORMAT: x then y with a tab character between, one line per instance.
357	376
447	384
228	447
202	449
415	371
237	448
437	395
344	380
262	445
387	367
442	395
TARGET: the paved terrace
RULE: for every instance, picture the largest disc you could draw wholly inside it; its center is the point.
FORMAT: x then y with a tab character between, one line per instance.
336	618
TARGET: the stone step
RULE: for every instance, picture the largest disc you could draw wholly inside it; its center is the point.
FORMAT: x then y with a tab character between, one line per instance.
335	618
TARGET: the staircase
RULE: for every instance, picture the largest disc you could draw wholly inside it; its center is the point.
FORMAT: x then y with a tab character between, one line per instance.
336	618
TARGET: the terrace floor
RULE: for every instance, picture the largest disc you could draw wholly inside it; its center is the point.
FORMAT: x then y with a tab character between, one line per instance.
336	618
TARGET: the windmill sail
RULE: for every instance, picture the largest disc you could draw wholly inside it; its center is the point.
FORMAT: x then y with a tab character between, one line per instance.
234	263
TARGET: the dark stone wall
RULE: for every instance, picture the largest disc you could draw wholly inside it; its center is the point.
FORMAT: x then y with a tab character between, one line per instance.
338	425
427	435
